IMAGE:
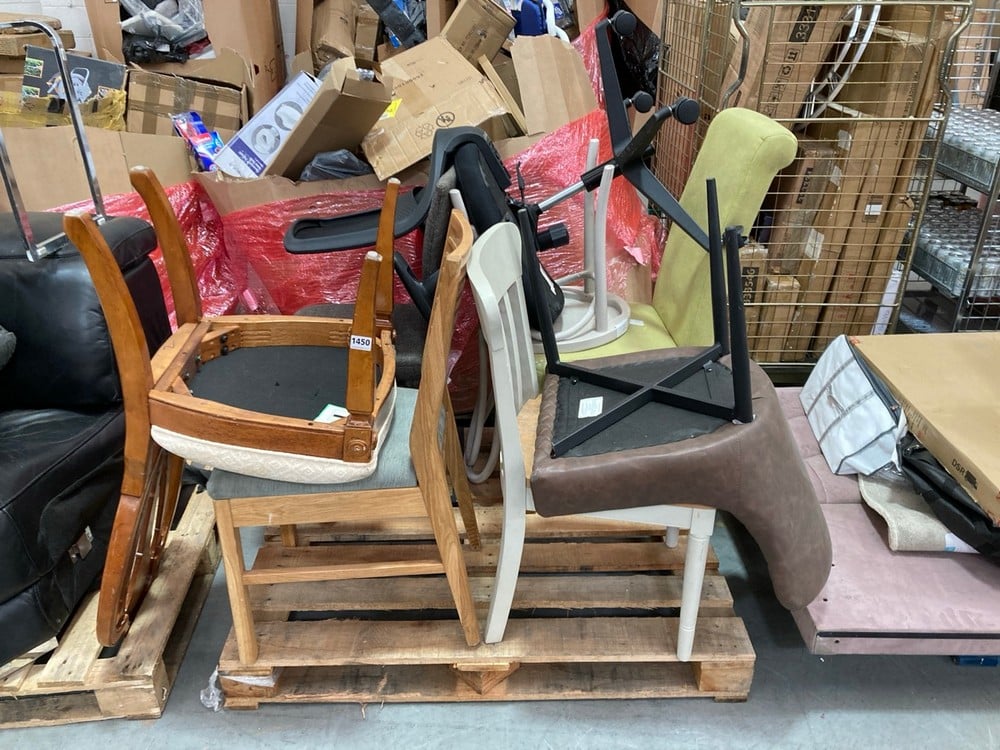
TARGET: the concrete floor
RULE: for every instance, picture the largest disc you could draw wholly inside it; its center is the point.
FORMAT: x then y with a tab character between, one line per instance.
797	701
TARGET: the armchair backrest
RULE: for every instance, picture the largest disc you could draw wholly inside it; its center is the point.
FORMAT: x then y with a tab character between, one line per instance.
743	150
64	357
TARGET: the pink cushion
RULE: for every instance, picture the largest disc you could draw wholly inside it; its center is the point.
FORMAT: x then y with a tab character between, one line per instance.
830	487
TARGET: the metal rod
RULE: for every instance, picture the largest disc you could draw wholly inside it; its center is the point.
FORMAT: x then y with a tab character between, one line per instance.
716	268
14	198
74	110
740	360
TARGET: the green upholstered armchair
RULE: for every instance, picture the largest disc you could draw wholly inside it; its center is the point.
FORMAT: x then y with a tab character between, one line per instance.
743	150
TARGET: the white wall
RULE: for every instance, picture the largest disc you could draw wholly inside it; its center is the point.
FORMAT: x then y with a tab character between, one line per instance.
73	14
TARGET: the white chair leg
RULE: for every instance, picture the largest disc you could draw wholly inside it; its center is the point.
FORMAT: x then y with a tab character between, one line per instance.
508	564
672	537
702	525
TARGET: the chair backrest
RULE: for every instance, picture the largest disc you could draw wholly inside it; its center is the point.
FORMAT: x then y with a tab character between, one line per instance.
432	395
743	150
180	270
497	285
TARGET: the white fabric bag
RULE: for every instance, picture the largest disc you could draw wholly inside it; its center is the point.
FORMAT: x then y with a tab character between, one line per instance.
855	419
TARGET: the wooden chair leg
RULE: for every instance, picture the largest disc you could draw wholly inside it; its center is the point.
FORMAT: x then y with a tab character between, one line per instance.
289	536
459	480
239	595
438	503
702	525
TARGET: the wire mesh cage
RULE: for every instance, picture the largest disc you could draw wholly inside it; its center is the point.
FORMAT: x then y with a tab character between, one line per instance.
861	85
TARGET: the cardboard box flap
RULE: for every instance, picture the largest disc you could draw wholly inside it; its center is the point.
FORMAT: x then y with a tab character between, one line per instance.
433	87
339	116
39	153
226	68
554	84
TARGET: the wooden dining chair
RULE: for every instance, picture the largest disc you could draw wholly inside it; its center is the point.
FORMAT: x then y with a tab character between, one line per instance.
421	468
252	393
495	276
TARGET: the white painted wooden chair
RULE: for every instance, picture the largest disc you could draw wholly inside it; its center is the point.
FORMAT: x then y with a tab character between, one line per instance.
495	274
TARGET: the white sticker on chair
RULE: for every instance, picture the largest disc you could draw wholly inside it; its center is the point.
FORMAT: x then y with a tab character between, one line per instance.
362	343
331	413
590	407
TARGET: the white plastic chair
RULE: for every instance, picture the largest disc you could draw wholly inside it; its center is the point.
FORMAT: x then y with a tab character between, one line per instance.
495	274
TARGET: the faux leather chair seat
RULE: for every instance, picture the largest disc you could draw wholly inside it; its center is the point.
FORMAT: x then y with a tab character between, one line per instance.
750	470
61	422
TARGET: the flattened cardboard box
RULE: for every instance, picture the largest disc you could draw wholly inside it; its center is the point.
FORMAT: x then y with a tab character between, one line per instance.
433	87
38	153
554	85
215	89
947	386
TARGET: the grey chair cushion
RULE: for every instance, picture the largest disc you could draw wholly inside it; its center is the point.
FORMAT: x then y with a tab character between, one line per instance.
394	466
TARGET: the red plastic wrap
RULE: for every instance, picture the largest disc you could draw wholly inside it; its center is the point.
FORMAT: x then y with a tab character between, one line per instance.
556	162
221	281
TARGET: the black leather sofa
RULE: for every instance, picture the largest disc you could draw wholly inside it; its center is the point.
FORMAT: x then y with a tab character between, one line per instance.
62	425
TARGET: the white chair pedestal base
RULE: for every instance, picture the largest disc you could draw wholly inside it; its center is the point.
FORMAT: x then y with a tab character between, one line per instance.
574	332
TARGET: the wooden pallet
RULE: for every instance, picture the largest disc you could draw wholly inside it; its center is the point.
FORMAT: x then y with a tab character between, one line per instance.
81	681
595	616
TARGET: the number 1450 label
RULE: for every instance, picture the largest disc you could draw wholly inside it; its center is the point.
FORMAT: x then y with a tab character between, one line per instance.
364	343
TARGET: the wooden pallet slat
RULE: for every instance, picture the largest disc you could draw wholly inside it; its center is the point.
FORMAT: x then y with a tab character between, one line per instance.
594	616
80	682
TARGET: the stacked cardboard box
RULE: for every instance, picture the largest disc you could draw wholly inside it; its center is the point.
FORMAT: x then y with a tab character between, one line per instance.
840	211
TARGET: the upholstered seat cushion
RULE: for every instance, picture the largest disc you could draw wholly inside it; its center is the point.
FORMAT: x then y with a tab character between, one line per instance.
59	470
394	468
750	470
287	381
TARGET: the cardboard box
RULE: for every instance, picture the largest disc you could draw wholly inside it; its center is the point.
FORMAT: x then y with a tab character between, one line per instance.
753	270
90	78
554	86
437	13
333	25
366	34
257	144
15	45
890	83
307	117
37	154
433	87
215	89
947	387
478	28
781	292
250	28
795	199
341	114
788	46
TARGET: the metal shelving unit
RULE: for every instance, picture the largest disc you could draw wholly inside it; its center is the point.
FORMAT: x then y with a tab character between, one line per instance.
958	241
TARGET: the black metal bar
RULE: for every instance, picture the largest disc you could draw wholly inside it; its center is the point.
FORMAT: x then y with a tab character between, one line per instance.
615	414
740	360
716	268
